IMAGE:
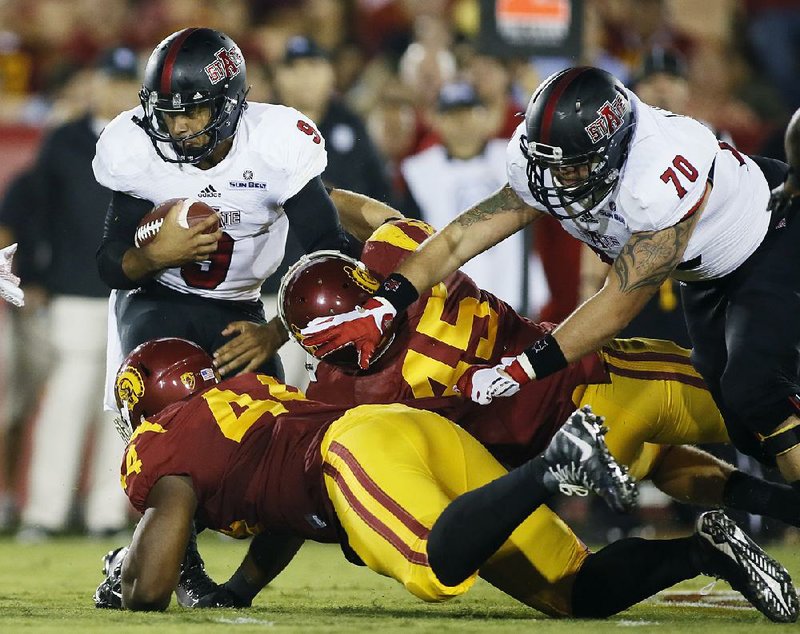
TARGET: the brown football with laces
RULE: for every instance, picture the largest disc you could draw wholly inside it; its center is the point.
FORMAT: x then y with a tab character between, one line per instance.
190	213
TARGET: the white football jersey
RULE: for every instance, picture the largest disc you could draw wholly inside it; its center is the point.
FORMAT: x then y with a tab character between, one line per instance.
662	182
275	152
444	186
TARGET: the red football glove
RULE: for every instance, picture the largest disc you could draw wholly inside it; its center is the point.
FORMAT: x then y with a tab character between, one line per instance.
482	383
363	327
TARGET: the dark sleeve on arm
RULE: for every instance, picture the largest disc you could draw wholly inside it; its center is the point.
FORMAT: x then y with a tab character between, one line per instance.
315	221
123	216
21	213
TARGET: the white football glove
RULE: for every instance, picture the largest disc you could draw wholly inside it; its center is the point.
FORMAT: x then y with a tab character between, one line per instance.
9	283
482	383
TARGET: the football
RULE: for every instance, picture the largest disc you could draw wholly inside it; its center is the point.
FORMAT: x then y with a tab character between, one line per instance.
190	213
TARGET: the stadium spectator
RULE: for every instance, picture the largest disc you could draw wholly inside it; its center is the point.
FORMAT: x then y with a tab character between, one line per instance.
304	80
25	356
773	29
464	167
72	208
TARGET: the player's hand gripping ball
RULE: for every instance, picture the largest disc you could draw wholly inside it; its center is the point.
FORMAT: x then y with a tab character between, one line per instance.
190	213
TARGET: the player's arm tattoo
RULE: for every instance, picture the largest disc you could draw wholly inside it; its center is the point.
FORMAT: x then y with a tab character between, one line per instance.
504	200
650	256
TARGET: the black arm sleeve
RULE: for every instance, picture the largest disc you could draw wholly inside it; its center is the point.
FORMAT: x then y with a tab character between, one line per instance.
314	220
123	216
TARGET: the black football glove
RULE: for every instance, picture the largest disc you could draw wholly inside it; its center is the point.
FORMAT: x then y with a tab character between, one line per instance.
109	593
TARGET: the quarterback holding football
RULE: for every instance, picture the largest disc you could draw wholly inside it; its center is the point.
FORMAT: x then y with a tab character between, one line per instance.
195	136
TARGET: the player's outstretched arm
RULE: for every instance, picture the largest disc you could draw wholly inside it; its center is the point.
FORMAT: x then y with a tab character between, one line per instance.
152	566
644	263
471	233
361	215
648	258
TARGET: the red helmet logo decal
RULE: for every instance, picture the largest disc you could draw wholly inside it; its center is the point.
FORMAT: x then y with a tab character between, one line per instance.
609	119
227	65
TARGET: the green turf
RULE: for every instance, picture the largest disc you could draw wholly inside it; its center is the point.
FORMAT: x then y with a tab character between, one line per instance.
48	587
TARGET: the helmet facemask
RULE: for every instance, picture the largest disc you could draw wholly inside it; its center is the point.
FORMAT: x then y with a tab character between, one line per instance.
570	186
225	113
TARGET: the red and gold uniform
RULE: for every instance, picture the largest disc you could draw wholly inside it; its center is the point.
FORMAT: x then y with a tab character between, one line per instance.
251	447
449	328
262	457
647	389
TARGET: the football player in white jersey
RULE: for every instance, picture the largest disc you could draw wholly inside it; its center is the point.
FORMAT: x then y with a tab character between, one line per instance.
654	194
258	165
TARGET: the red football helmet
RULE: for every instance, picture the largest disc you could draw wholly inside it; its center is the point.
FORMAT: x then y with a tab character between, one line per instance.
156	374
325	283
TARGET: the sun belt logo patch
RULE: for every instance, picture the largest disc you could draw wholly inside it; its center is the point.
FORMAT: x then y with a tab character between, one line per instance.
227	65
129	386
609	119
363	278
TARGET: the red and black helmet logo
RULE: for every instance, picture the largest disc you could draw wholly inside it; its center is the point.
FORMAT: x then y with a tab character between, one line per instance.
226	65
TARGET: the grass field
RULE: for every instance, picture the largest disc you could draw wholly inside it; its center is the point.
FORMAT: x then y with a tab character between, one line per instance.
48	587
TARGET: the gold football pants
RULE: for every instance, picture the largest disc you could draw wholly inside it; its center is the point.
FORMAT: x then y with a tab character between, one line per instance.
655	399
390	471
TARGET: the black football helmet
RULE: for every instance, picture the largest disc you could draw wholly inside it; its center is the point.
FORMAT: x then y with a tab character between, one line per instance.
326	283
158	373
578	126
193	67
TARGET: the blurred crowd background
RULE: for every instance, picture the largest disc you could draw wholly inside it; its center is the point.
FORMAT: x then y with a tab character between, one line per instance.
415	111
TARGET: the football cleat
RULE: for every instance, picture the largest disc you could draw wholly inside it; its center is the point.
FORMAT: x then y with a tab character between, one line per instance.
194	582
731	555
109	593
579	461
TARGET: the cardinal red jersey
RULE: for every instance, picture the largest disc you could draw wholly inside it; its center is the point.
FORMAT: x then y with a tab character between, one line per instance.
449	328
251	446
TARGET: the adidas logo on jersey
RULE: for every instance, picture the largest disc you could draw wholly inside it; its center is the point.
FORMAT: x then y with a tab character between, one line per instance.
209	192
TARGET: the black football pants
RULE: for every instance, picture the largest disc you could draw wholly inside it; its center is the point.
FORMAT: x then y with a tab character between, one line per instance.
156	311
